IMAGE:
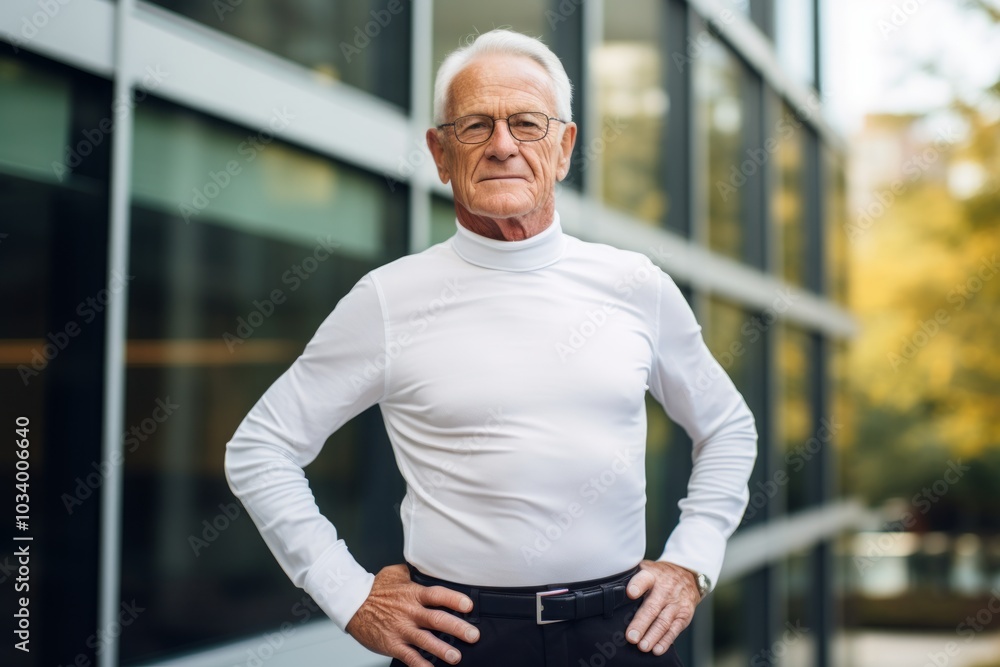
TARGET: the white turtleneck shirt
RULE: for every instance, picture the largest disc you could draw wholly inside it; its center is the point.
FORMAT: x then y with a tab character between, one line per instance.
511	377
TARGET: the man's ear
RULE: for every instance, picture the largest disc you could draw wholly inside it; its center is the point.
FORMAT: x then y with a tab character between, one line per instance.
437	152
566	143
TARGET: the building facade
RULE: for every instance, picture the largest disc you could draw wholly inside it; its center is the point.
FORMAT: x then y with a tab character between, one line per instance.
189	187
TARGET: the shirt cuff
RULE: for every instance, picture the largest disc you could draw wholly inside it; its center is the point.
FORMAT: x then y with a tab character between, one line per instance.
697	546
338	584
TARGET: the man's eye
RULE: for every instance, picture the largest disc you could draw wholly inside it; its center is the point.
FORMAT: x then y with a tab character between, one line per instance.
475	126
527	124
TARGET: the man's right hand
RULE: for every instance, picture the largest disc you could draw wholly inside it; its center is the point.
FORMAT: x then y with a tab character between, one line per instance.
392	620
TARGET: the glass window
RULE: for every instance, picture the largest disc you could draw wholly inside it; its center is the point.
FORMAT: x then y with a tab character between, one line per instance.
54	288
34	119
221	303
795	645
363	43
668	469
788	201
738	339
795	38
442	219
836	228
843	414
458	23
718	80
630	73
730	647
802	444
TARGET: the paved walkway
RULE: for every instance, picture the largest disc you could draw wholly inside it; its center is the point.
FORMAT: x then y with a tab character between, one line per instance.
885	649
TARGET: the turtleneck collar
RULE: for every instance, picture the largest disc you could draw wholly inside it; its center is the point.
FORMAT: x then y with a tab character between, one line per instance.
533	253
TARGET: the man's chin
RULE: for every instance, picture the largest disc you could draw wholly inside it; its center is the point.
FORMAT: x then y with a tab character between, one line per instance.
503	208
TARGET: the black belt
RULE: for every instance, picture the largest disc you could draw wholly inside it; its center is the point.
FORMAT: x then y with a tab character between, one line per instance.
549	604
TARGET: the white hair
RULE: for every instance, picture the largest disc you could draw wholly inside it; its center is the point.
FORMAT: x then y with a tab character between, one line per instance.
507	43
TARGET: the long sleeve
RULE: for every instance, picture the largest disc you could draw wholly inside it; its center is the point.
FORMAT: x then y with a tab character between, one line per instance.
339	374
697	393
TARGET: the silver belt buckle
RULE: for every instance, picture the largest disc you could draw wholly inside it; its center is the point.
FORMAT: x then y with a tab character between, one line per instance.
538	605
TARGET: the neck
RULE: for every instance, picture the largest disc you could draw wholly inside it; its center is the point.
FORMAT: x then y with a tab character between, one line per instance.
515	228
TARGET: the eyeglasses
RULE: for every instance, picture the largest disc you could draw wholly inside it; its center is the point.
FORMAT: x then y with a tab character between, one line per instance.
524	126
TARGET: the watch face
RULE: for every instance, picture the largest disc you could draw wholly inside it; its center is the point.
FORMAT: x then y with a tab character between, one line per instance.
703	584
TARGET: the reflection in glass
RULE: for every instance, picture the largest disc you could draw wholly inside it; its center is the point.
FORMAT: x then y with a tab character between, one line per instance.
729	641
801	448
797	643
629	70
836	228
730	332
717	83
54	288
795	38
361	43
458	23
442	219
789	199
220	305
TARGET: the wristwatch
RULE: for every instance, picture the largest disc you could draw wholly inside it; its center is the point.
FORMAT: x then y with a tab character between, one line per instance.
704	583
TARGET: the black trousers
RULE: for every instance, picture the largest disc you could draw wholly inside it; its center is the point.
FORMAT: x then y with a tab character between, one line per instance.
512	642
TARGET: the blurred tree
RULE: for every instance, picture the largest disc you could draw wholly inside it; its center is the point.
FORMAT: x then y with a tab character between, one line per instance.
925	372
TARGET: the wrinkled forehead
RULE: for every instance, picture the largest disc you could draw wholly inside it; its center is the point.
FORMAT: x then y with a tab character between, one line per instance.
494	84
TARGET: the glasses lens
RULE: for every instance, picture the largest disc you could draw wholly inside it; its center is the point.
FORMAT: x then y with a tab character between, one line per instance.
473	129
529	126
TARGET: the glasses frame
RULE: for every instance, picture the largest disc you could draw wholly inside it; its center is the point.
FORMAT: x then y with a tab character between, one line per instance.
454	129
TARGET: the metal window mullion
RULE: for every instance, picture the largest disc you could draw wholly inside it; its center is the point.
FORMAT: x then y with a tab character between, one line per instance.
591	118
421	83
109	574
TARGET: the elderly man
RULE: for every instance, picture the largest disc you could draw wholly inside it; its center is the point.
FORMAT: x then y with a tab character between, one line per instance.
510	364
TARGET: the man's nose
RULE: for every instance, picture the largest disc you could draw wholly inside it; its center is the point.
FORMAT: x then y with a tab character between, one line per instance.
502	144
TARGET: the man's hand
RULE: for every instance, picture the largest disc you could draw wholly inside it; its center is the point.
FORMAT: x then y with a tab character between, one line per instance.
667	610
392	620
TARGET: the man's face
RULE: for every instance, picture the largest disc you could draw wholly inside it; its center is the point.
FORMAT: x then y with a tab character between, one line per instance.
503	177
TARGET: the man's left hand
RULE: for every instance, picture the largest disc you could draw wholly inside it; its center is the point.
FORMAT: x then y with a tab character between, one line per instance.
667	609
